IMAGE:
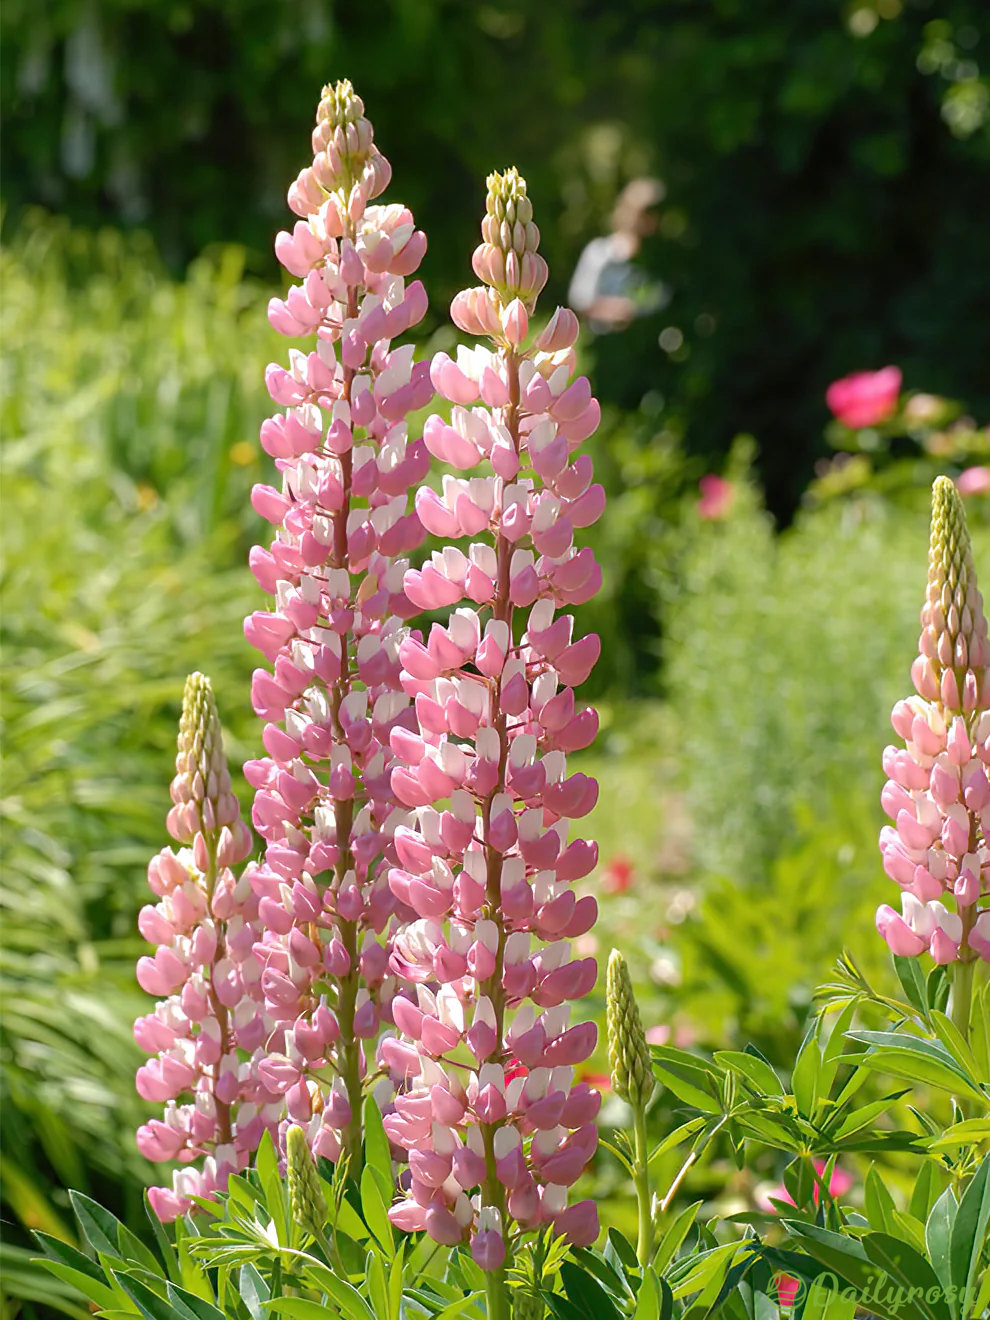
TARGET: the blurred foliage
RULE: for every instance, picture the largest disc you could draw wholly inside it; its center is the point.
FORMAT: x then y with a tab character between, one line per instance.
827	165
124	515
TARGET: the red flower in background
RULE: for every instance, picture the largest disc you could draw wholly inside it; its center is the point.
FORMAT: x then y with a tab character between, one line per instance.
717	495
618	876
865	398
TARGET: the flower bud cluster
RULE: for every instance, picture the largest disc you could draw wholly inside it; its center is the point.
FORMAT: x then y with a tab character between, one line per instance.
207	1033
332	695
495	1127
938	791
628	1052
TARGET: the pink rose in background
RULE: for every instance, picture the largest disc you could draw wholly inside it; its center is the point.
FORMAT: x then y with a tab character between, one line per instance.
974	481
865	398
717	495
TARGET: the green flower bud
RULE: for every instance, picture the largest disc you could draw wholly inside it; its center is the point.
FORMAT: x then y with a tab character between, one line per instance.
628	1053
307	1204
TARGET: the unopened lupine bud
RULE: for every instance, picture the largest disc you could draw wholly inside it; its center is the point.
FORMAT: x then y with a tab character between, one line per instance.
527	1305
628	1052
307	1203
508	260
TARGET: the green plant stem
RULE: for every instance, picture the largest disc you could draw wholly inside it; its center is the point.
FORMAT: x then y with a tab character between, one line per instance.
962	996
496	1295
641	1181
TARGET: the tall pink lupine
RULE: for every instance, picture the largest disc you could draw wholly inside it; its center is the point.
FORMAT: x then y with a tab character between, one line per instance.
335	568
208	1030
938	793
495	1128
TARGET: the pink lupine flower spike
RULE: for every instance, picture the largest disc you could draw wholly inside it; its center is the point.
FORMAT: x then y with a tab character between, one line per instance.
332	697
496	1129
938	791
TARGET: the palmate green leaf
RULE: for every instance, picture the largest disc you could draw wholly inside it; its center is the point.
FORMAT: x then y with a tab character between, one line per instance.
682	1133
966	1242
695	1273
66	1254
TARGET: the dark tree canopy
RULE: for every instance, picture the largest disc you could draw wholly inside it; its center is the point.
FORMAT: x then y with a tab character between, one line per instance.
828	165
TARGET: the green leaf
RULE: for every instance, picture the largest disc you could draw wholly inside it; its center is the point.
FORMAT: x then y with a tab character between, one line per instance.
191	1307
374	1279
909	1269
149	1303
459	1307
343	1293
161	1237
916	1060
755	1069
606	1274
586	1293
375	1211
377	1154
951	1037
648	1301
99	1227
912	982
844	1256
93	1288
925	1192
969	1132
57	1250
672	1238
266	1164
253	1289
689	1129
346	1297
804	1078
687	1076
970	1229
879	1203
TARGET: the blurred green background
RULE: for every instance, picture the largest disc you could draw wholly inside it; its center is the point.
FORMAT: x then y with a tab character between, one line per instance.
828	173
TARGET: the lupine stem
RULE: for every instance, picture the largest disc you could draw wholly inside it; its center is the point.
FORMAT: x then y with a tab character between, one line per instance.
962	995
641	1181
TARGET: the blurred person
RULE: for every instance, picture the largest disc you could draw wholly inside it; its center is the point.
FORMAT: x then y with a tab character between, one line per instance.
608	288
